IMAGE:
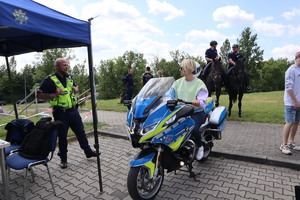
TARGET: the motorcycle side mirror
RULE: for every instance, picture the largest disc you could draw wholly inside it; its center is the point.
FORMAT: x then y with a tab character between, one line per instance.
127	103
171	104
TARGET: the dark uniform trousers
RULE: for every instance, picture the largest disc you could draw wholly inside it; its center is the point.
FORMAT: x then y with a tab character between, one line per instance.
199	119
129	92
70	119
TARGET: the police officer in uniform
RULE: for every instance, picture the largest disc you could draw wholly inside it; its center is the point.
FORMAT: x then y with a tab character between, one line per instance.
234	55
129	84
232	59
210	55
59	89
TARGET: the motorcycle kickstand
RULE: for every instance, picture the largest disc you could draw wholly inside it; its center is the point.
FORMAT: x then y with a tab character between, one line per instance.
190	170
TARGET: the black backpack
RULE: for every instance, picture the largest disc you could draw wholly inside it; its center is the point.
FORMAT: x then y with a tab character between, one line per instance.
17	129
36	145
146	77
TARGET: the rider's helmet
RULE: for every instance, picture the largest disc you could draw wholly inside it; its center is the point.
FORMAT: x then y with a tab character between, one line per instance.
235	46
213	43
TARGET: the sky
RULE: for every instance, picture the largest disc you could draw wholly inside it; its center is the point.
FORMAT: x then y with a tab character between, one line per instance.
156	27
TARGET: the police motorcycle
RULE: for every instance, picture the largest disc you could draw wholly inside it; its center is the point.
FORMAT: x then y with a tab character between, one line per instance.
161	127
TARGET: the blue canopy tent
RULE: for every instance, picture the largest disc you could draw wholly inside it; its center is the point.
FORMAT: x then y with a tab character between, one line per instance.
27	26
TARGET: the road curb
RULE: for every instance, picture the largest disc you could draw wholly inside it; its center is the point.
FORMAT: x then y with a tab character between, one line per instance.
258	160
241	157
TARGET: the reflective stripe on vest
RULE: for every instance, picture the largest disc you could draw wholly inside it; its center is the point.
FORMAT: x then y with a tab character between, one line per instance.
67	98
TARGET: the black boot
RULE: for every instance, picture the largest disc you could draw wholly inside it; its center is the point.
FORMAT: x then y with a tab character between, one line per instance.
63	164
90	154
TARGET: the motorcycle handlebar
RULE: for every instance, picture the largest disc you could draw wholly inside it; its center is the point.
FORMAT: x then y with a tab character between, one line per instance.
185	102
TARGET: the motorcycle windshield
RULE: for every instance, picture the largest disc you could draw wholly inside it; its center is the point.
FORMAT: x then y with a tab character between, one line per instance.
155	87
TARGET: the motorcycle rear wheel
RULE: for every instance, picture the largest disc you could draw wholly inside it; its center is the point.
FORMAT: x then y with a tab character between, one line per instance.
140	186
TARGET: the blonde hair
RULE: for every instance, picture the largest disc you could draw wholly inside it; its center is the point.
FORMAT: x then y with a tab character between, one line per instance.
159	73
188	65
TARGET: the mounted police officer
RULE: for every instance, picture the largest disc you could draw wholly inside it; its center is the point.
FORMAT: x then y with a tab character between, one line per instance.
232	59
210	55
59	88
234	55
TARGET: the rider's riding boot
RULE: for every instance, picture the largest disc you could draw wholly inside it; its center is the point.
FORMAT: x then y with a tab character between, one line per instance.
200	153
248	88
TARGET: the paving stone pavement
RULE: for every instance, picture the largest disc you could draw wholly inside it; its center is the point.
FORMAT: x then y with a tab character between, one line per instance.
267	174
219	178
255	142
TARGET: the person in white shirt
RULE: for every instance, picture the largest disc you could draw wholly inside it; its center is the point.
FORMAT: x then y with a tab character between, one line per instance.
291	107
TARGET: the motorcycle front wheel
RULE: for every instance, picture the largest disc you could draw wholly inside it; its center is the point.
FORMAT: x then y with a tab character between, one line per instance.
141	186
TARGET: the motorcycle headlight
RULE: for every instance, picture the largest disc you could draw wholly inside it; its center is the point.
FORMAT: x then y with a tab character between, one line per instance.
172	119
148	128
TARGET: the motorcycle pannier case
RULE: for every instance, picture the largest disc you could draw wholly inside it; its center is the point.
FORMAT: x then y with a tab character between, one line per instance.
217	121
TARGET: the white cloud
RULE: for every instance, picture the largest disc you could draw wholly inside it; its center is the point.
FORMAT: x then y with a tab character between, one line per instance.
293	30
231	15
120	27
290	15
270	29
157	7
112	9
61	6
117	19
150	48
207	34
287	51
186	47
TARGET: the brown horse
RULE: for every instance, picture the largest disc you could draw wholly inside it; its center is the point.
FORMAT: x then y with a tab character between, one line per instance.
236	85
215	79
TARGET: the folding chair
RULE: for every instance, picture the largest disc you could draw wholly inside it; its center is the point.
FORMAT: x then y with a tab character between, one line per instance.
17	129
17	162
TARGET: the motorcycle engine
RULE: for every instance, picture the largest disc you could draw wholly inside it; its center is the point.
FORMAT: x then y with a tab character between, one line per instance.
187	151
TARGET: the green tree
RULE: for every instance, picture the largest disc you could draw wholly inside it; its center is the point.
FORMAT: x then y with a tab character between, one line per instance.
254	56
80	77
273	73
107	80
45	64
171	68
27	74
11	88
224	51
138	63
110	72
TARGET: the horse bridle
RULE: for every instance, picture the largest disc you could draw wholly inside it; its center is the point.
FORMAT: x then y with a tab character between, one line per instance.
238	71
216	76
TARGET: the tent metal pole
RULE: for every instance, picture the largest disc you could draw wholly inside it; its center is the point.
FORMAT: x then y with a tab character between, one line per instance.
9	78
94	106
8	68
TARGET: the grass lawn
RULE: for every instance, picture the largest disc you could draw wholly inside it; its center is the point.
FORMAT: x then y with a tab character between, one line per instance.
265	107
